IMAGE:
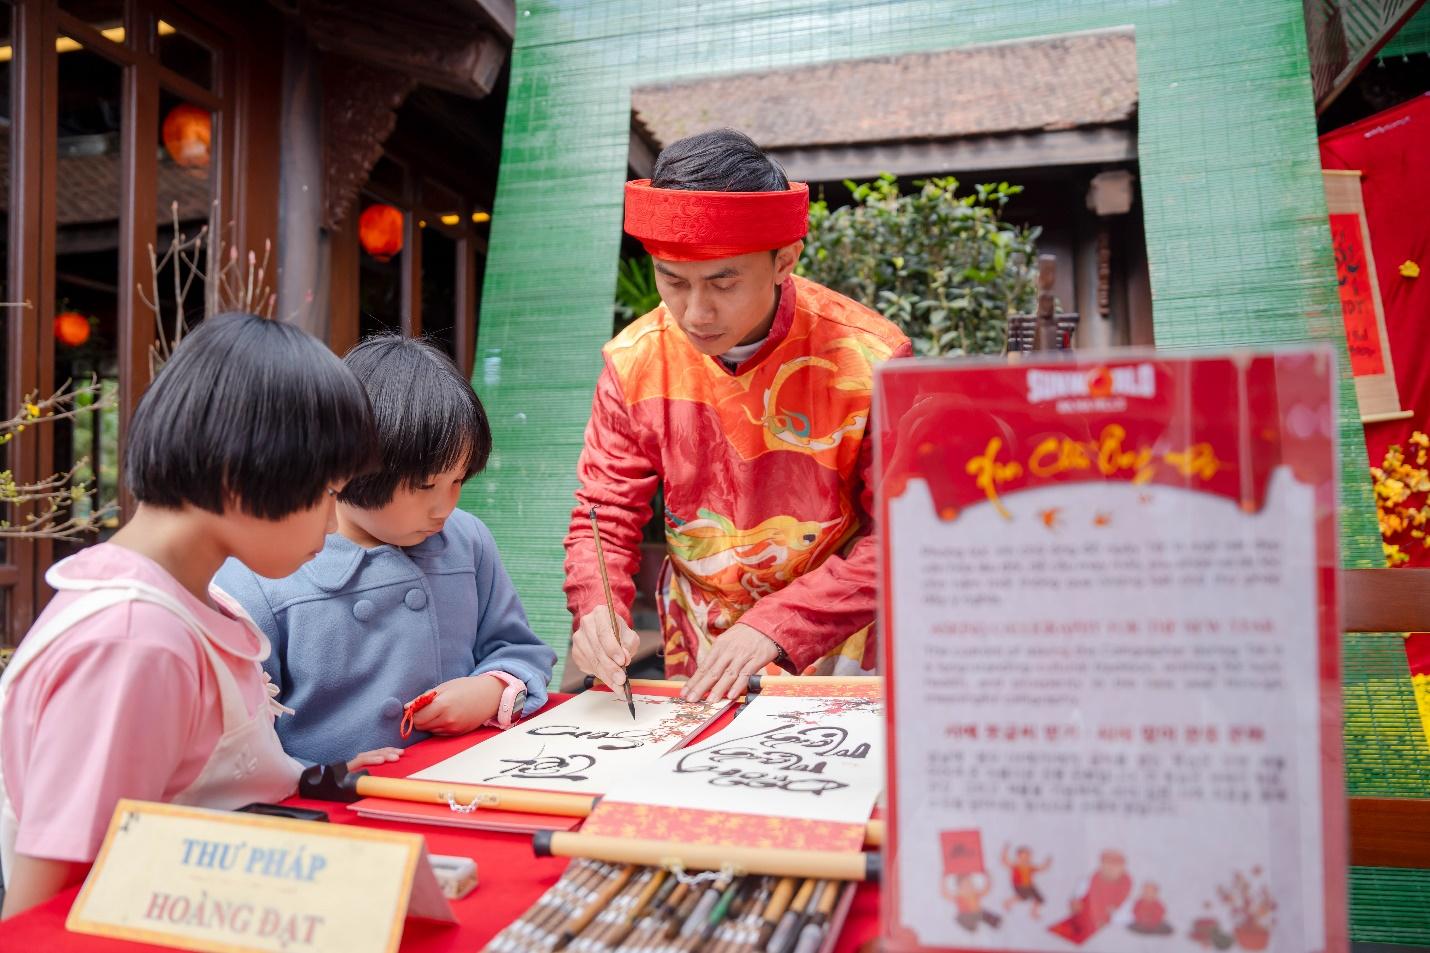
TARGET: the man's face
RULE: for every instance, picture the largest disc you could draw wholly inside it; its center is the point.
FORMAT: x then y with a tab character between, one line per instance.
727	302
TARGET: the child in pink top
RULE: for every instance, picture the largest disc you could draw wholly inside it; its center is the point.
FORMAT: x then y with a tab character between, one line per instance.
137	682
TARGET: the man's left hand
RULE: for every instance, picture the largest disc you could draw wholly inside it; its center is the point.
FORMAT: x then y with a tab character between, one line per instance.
461	705
725	668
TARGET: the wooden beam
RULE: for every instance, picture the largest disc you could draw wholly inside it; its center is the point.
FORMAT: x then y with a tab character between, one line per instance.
1390	832
1107	144
500	14
1385	600
458	55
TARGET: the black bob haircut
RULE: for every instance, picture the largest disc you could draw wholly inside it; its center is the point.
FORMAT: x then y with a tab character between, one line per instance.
249	412
721	160
429	420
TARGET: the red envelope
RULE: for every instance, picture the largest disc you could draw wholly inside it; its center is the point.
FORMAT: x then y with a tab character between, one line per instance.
962	852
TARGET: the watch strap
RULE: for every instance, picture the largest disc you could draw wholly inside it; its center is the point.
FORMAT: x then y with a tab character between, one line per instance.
507	713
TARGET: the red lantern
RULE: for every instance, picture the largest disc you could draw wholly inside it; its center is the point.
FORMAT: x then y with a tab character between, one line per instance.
380	231
71	328
187	132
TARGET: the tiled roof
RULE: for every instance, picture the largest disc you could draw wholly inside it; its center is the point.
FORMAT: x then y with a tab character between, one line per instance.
1064	82
88	190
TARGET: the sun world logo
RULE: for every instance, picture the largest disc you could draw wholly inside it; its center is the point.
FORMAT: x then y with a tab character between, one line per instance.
1135	380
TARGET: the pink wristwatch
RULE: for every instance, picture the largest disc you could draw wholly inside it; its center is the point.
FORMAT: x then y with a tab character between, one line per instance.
513	700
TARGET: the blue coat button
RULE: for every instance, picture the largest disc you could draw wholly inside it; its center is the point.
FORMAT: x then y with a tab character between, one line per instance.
363	609
416	599
392	708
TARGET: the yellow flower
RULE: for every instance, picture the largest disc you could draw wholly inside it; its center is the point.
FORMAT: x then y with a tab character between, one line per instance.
1409	269
32	409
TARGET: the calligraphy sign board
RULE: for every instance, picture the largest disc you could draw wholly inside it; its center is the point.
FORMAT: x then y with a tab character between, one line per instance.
196	879
1112	654
796	772
584	745
1371	366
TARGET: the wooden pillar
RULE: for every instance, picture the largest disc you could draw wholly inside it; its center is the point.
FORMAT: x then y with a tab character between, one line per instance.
464	334
31	236
139	178
344	266
411	273
303	295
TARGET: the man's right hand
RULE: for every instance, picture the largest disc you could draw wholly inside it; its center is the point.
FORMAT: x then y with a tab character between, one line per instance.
598	651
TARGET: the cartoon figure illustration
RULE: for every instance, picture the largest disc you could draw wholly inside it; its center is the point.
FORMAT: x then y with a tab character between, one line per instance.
1022	869
1149	914
967	892
1107	889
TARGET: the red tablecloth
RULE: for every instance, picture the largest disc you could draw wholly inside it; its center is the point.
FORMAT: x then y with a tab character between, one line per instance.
511	879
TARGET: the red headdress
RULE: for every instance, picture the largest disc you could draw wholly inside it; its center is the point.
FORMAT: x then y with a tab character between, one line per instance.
680	225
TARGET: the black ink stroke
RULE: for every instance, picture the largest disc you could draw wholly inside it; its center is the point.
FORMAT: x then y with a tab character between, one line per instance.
544	767
782	758
616	740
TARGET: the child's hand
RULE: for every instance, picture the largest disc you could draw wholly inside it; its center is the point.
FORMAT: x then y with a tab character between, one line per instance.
377	756
461	705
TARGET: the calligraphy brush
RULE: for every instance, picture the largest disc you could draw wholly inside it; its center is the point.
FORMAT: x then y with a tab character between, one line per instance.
695	923
682	913
644	928
575	884
627	922
595	936
812	936
792	938
776	940
775	910
513	937
611	604
669	907
577	924
737	889
578	895
732	933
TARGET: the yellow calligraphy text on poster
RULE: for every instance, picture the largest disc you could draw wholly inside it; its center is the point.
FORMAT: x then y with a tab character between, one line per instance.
1108	455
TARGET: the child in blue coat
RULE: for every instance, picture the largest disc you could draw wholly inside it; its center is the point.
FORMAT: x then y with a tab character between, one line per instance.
409	596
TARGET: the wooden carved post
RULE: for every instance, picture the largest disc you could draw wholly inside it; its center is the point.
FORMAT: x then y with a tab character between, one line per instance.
1046	329
1047	336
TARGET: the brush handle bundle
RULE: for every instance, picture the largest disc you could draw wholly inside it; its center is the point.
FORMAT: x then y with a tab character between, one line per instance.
597	907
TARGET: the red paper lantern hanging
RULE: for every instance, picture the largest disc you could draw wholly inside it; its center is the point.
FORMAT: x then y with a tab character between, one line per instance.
71	328
380	231
187	133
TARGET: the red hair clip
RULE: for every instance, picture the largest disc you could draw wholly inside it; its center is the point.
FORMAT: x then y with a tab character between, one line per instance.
413	707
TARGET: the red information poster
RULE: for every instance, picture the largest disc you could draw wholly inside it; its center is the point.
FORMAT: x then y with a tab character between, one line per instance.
1112	654
1353	276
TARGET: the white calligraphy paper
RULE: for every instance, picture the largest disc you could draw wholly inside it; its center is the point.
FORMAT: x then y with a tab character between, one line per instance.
818	759
584	745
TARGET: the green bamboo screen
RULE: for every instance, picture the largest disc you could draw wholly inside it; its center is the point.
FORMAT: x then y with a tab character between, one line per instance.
1236	232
